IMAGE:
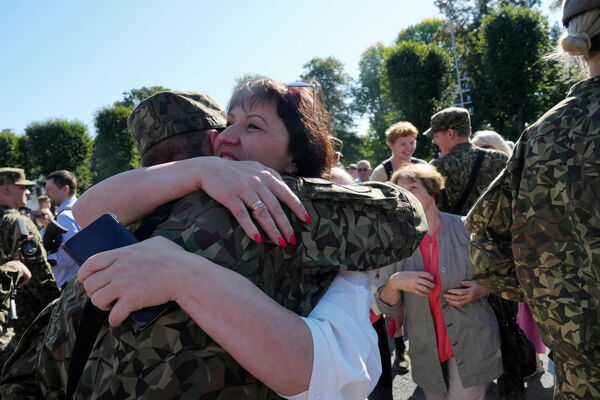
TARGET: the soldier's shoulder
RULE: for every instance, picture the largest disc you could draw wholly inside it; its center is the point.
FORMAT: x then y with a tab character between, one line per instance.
308	189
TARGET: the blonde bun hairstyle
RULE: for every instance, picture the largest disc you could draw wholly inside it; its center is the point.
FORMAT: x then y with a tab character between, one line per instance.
580	41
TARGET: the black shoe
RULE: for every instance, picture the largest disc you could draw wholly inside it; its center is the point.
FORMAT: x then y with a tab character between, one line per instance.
401	364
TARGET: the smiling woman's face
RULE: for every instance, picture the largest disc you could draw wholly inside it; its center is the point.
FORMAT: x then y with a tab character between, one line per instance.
256	134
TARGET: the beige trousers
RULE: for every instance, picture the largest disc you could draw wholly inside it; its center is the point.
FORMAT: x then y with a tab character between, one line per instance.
456	391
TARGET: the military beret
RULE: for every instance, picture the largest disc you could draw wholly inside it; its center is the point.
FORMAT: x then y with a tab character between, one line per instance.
571	8
15	176
168	114
453	117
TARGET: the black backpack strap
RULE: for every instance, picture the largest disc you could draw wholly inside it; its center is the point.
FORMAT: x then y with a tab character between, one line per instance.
474	174
93	319
389	169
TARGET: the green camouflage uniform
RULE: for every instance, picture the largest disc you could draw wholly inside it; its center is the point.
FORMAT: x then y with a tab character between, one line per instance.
456	167
41	288
536	235
353	228
10	274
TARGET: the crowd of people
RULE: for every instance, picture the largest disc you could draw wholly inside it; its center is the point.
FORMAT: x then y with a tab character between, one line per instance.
265	269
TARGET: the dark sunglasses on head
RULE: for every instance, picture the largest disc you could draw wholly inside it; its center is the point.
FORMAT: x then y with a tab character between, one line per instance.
362	169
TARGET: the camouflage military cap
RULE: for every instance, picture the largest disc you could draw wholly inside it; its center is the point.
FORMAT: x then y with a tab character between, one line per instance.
571	8
453	117
14	175
168	114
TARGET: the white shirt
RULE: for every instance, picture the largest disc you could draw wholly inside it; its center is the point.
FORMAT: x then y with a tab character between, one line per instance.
65	269
346	363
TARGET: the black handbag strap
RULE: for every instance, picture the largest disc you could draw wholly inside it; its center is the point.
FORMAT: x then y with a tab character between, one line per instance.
389	169
472	178
93	319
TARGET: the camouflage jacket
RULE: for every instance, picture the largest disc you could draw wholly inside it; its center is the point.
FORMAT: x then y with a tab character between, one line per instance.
456	167
41	289
354	227
10	274
536	230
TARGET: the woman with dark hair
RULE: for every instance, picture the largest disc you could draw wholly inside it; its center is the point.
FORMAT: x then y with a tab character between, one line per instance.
286	129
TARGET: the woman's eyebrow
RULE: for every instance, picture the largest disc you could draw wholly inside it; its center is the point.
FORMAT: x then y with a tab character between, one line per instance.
259	116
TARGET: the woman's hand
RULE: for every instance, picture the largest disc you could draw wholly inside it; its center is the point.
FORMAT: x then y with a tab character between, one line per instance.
130	278
419	283
242	185
470	292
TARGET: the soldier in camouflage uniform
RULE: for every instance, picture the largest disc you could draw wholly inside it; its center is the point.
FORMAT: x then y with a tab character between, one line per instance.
173	357
41	288
450	130
535	230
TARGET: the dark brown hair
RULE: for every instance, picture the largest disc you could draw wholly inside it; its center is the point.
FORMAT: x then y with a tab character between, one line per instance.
62	178
307	121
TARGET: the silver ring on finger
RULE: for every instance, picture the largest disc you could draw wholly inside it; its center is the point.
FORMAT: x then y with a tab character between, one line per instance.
257	204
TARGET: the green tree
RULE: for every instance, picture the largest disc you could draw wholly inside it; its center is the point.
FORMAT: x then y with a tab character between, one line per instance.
115	150
9	149
417	83
133	97
60	144
335	91
432	30
508	83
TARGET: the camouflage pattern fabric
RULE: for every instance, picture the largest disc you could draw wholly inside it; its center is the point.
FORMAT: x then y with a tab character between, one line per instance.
168	114
10	274
449	118
14	176
456	167
41	288
354	228
535	235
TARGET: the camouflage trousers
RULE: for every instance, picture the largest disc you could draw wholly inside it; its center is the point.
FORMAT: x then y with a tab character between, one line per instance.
576	379
8	343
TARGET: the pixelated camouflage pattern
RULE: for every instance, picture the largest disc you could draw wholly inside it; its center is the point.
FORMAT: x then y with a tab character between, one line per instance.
168	114
353	227
453	117
41	288
456	167
10	274
536	230
15	176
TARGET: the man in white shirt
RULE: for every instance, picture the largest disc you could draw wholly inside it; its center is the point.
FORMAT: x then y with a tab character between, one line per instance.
61	187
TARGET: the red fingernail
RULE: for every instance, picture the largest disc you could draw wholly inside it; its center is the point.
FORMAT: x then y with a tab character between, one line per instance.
282	242
257	238
307	218
216	133
292	239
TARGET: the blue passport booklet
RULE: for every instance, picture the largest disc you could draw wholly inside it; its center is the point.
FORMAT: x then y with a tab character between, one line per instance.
106	233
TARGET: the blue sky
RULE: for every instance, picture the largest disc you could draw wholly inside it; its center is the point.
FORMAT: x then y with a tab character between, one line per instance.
67	59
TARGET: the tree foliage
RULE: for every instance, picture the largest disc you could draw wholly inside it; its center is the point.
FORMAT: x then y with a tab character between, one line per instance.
133	97
417	84
508	82
60	144
115	150
9	150
335	91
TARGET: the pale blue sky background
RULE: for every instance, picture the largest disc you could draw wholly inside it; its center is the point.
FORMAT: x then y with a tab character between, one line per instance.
67	59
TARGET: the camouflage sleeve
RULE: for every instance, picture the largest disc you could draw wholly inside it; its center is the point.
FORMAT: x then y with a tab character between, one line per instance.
20	371
490	223
10	274
360	227
41	288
